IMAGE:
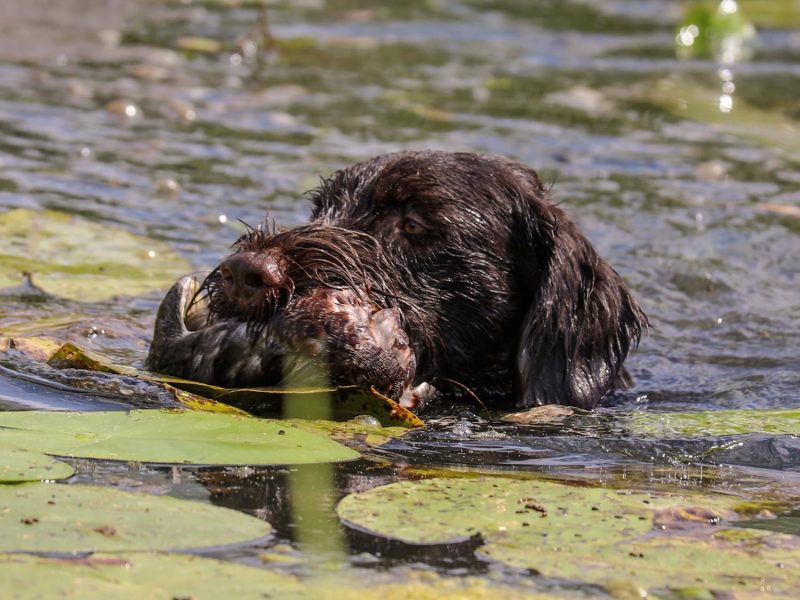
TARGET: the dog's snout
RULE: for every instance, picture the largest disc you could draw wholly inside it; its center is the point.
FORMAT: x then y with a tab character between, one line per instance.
246	276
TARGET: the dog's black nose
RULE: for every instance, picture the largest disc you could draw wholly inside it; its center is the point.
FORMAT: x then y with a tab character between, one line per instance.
246	276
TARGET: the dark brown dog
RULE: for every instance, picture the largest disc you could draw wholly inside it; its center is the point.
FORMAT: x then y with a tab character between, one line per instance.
416	266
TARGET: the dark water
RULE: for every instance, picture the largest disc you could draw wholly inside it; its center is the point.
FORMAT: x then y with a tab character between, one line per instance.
695	207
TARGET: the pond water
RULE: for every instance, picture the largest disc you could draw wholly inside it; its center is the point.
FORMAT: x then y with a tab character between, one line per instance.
177	121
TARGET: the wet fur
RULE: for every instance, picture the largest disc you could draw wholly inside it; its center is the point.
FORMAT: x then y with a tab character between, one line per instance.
500	291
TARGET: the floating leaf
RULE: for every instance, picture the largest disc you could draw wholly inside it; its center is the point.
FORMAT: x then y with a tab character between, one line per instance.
24	465
37	348
780	209
540	415
714	423
199	44
74	258
140	575
708	31
358	433
595	535
168	437
689	100
70	356
154	575
348	401
80	518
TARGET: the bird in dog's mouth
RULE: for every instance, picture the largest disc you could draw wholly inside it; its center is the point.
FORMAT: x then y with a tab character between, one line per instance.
297	307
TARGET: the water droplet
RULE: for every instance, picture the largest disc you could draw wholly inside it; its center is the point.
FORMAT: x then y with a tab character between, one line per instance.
124	108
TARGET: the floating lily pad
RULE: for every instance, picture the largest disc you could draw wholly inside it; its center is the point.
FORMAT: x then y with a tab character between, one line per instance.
689	100
140	575
594	535
168	437
70	356
714	423
709	32
156	575
38	348
549	414
347	402
23	465
360	433
80	518
74	258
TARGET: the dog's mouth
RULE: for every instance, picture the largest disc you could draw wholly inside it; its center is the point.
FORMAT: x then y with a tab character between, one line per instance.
301	307
320	336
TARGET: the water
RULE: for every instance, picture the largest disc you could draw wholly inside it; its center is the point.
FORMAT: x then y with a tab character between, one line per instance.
115	111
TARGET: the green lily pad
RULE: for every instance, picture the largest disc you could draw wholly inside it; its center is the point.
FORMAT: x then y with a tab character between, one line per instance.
140	575
42	517
689	100
158	575
708	31
714	423
594	535
347	402
168	437
74	258
359	434
23	465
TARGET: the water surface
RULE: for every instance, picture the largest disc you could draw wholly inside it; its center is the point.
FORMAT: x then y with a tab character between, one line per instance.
176	120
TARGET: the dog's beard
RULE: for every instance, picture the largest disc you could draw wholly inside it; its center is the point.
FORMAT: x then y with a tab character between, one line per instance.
314	257
331	310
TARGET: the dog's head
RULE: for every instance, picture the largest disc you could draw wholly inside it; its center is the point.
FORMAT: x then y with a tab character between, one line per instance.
494	286
496	283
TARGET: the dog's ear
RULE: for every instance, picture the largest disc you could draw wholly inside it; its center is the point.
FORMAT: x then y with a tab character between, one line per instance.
582	319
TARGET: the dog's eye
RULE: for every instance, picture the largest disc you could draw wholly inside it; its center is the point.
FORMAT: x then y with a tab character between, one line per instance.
413	227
